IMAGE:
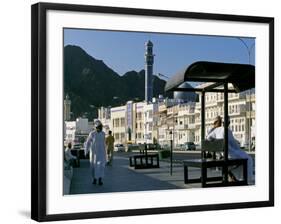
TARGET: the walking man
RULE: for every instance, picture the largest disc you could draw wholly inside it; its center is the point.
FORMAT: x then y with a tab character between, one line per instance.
95	144
110	146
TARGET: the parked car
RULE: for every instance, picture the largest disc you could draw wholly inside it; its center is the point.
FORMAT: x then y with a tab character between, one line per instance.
154	146
119	148
165	146
132	147
189	146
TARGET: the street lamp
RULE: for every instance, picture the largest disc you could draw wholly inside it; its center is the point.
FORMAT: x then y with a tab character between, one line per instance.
171	156
161	75
249	50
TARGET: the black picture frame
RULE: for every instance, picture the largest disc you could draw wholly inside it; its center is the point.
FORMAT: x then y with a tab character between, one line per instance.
39	110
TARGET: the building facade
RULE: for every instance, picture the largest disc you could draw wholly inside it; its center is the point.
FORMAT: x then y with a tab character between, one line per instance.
104	115
241	110
161	120
118	127
77	131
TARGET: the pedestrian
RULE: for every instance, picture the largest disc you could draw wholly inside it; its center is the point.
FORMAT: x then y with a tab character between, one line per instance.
109	141
70	159
234	150
95	144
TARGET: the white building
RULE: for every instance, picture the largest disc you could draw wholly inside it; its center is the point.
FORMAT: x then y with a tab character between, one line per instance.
164	119
185	123
239	111
133	122
77	131
149	119
104	115
139	122
70	129
118	115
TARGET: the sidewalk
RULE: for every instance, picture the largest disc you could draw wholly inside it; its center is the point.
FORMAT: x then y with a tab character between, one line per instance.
121	178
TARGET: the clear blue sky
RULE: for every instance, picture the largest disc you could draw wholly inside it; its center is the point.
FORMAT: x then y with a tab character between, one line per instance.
124	51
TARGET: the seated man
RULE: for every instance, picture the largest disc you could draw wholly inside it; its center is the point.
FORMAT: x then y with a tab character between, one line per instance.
70	159
234	150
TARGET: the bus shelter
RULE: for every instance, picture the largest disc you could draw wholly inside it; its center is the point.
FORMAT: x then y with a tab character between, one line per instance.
217	77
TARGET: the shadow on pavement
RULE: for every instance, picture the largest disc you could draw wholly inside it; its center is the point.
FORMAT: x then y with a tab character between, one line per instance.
119	178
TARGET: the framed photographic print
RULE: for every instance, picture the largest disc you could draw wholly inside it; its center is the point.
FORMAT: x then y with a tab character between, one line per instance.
140	111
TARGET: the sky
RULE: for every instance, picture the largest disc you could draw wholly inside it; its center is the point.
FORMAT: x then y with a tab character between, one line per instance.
124	51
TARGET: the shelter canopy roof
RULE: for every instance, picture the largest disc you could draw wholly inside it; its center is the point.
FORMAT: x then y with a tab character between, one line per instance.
241	76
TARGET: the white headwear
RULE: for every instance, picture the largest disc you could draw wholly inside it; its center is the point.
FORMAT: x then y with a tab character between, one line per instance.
97	123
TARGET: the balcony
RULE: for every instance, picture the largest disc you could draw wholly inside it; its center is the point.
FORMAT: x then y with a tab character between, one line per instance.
181	126
212	103
191	126
251	114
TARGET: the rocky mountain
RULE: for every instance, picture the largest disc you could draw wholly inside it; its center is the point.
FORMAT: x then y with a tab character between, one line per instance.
90	83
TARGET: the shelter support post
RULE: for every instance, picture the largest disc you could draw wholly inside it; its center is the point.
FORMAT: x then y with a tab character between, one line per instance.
202	121
225	170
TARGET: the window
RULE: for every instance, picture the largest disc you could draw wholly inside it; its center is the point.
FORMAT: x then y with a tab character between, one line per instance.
123	122
150	127
117	122
139	115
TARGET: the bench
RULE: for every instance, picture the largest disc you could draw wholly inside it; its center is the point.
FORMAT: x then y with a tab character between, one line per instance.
144	160
205	163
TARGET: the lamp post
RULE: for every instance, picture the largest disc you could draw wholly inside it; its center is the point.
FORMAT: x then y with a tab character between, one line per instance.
249	50
171	156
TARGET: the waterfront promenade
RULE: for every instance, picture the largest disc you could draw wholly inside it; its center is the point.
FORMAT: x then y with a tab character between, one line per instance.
121	178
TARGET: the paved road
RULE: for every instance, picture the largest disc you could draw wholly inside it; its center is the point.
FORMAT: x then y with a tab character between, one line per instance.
122	178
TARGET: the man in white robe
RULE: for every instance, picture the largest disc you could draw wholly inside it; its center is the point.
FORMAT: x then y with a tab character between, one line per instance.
95	144
234	150
69	158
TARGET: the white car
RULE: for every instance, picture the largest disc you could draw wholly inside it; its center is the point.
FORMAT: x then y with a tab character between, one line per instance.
119	148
